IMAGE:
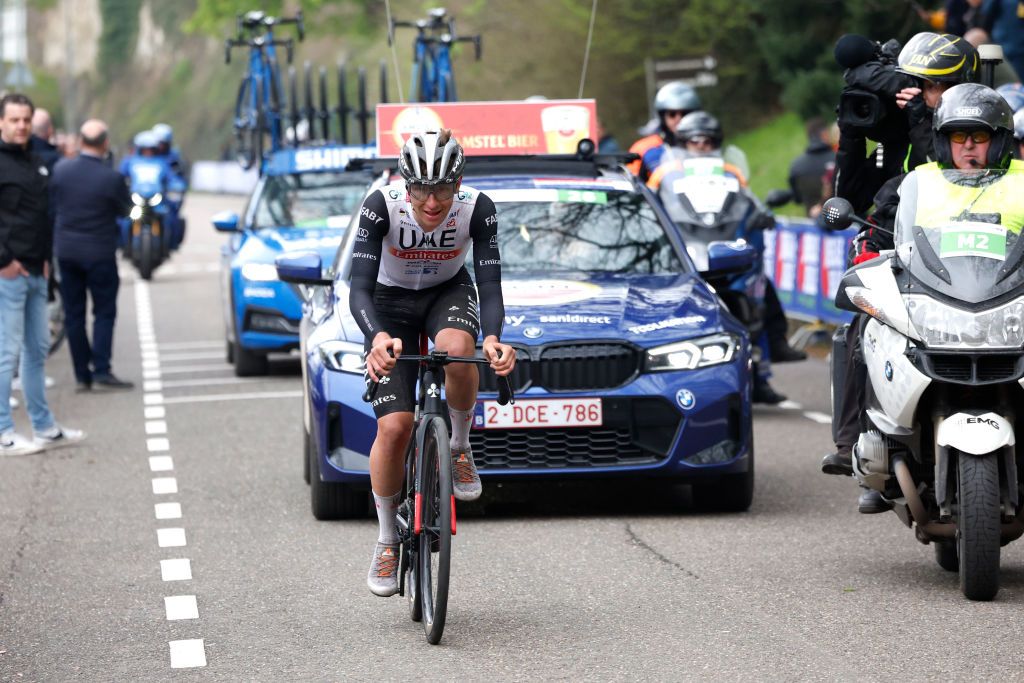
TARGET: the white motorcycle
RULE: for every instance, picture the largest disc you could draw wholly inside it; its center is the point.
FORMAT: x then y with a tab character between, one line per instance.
944	352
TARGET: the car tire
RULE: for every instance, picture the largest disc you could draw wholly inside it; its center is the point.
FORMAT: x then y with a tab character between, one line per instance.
332	500
307	447
229	353
249	363
731	493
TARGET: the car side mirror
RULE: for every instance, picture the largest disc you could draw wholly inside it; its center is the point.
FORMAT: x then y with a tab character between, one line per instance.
302	268
225	221
777	198
729	258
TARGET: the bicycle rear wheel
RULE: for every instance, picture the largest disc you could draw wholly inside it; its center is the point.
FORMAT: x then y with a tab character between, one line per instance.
435	541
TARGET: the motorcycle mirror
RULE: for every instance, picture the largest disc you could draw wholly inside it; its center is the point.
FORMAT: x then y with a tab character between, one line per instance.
837	213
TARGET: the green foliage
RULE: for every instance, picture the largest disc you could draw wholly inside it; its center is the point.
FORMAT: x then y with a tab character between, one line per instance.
770	149
120	31
217	17
45	94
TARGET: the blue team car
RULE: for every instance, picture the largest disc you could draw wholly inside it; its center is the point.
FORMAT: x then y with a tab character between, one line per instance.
629	365
302	201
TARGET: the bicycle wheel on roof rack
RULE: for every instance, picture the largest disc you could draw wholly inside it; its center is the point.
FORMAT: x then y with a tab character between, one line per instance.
250	124
435	540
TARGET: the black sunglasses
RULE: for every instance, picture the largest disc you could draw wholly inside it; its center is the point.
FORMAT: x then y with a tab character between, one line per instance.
441	191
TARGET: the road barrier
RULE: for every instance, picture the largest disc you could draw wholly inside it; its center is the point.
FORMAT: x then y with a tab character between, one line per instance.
222	177
807	263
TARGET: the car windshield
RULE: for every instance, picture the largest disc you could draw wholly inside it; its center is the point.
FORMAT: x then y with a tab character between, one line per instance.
958	232
311	200
548	230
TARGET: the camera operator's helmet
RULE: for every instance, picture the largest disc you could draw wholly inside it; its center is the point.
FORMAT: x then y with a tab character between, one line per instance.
432	157
145	140
699	123
1018	126
163	132
677	96
939	57
970	106
1013	93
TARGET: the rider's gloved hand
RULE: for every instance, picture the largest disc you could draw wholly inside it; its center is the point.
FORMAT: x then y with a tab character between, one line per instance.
864	256
502	356
383	355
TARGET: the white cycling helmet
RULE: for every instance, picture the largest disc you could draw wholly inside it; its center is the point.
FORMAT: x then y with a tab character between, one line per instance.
431	157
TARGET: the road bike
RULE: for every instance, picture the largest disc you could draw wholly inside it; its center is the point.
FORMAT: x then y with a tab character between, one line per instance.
432	77
258	111
426	515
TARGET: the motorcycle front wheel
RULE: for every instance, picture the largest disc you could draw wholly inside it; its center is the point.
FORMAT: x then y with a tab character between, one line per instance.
978	526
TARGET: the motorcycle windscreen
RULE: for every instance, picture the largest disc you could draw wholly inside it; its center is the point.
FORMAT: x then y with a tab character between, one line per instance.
959	232
707	204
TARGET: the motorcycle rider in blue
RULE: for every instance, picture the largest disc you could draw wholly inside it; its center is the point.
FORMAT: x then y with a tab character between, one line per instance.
149	173
172	155
700	136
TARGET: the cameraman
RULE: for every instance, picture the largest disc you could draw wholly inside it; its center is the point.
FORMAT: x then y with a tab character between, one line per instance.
935	62
891	102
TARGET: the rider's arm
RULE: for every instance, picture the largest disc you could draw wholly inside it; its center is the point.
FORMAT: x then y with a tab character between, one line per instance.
373	226
483	229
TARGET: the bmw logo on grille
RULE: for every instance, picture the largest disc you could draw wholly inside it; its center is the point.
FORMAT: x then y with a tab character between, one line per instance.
686	399
888	370
532	332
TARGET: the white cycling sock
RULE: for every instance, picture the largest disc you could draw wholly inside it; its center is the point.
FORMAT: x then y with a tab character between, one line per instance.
461	419
386	506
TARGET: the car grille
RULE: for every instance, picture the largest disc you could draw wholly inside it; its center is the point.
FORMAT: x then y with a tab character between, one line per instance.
967	368
554	448
570	367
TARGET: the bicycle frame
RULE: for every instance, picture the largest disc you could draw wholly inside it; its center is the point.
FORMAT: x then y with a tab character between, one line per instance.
263	67
432	76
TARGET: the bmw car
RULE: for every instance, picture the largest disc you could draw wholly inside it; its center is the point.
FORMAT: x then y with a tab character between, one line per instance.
629	365
303	201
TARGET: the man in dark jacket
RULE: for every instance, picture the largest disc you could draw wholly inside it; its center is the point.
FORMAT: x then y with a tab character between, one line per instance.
39	143
807	172
88	198
26	240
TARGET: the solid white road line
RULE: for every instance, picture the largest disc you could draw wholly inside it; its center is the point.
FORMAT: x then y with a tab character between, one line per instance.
160	463
196	355
176	570
214	381
184	369
171	538
158	443
167	510
214	398
164	485
186	654
181	607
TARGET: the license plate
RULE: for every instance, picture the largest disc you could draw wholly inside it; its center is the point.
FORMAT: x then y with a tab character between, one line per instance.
537	413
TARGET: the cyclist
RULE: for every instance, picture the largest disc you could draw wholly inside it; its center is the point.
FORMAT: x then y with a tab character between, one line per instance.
409	277
673	101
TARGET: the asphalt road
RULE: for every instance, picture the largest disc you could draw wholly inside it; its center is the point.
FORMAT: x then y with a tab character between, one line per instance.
567	583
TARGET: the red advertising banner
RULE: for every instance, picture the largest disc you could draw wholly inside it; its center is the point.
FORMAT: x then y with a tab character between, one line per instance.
544	127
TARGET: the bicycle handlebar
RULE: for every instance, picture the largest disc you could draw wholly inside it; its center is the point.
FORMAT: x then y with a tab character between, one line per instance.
505	393
258	43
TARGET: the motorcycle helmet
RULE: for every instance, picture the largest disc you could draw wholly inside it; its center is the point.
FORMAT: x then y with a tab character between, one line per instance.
145	140
939	57
970	106
432	157
698	123
676	96
163	132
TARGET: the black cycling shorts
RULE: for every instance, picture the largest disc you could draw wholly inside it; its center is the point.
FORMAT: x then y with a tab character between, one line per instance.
405	313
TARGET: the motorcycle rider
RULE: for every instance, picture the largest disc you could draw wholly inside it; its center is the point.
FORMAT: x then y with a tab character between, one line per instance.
672	102
1018	132
700	135
973	129
172	157
938	62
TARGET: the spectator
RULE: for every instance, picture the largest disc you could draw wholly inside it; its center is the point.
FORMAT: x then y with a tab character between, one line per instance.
88	198
956	16
26	245
1003	20
807	172
606	142
42	138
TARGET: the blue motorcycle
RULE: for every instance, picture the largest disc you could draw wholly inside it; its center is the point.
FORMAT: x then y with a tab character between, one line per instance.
152	229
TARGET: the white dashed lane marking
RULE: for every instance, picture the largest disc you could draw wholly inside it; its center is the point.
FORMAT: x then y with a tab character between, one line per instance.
160	463
176	570
167	510
812	415
171	538
181	607
186	654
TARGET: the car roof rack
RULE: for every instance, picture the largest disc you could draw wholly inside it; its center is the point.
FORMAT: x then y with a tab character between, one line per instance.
526	164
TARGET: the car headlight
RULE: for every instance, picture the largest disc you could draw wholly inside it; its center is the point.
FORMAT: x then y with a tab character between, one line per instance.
945	327
702	352
259	272
343	356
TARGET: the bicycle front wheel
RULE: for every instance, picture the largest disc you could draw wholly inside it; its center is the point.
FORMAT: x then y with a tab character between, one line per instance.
435	541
